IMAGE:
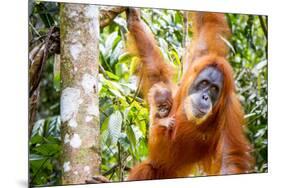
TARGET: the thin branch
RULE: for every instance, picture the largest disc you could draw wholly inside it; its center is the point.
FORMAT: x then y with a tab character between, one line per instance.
137	91
34	29
103	71
113	168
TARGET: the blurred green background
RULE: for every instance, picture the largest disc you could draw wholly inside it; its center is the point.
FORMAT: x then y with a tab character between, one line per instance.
124	117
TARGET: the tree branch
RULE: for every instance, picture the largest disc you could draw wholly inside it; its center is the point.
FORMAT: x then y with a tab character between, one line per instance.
108	14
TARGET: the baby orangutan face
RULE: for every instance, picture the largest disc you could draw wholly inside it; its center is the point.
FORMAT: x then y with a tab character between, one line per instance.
163	102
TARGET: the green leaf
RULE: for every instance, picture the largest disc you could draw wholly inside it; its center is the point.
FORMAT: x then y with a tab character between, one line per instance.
111	42
104	126
116	53
36	139
48	149
123	140
131	136
121	69
112	76
125	57
35	157
38	127
114	126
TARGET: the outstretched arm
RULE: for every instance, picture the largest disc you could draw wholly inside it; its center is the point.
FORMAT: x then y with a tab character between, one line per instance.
152	67
210	35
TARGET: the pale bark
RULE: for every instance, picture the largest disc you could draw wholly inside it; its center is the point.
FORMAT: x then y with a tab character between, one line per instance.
79	98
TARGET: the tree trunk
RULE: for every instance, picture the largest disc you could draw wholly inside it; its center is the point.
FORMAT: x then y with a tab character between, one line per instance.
79	98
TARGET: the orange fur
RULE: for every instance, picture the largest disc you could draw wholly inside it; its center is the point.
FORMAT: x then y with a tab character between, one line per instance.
209	31
155	117
153	68
218	145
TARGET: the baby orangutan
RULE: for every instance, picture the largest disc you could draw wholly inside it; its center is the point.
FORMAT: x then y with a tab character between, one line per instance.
160	102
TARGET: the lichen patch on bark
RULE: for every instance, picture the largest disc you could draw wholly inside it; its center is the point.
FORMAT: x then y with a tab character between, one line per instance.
75	50
75	141
72	122
69	103
92	14
88	83
66	166
66	138
87	169
93	109
88	119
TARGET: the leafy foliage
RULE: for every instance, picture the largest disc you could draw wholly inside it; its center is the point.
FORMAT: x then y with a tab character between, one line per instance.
250	64
45	149
124	120
45	142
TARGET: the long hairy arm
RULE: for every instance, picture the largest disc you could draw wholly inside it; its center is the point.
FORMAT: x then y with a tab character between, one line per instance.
152	67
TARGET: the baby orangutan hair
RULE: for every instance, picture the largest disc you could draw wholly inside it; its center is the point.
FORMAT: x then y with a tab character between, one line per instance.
160	100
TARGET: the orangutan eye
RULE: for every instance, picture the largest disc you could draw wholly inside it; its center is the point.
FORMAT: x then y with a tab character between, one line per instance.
203	83
214	89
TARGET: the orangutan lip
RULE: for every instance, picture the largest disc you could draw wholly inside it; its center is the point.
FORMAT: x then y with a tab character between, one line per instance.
198	110
202	111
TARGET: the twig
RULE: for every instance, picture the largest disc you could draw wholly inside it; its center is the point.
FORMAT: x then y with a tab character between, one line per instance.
119	161
264	29
110	170
113	168
103	71
137	91
34	29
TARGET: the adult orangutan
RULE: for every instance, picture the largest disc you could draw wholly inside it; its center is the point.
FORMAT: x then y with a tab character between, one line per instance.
206	130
